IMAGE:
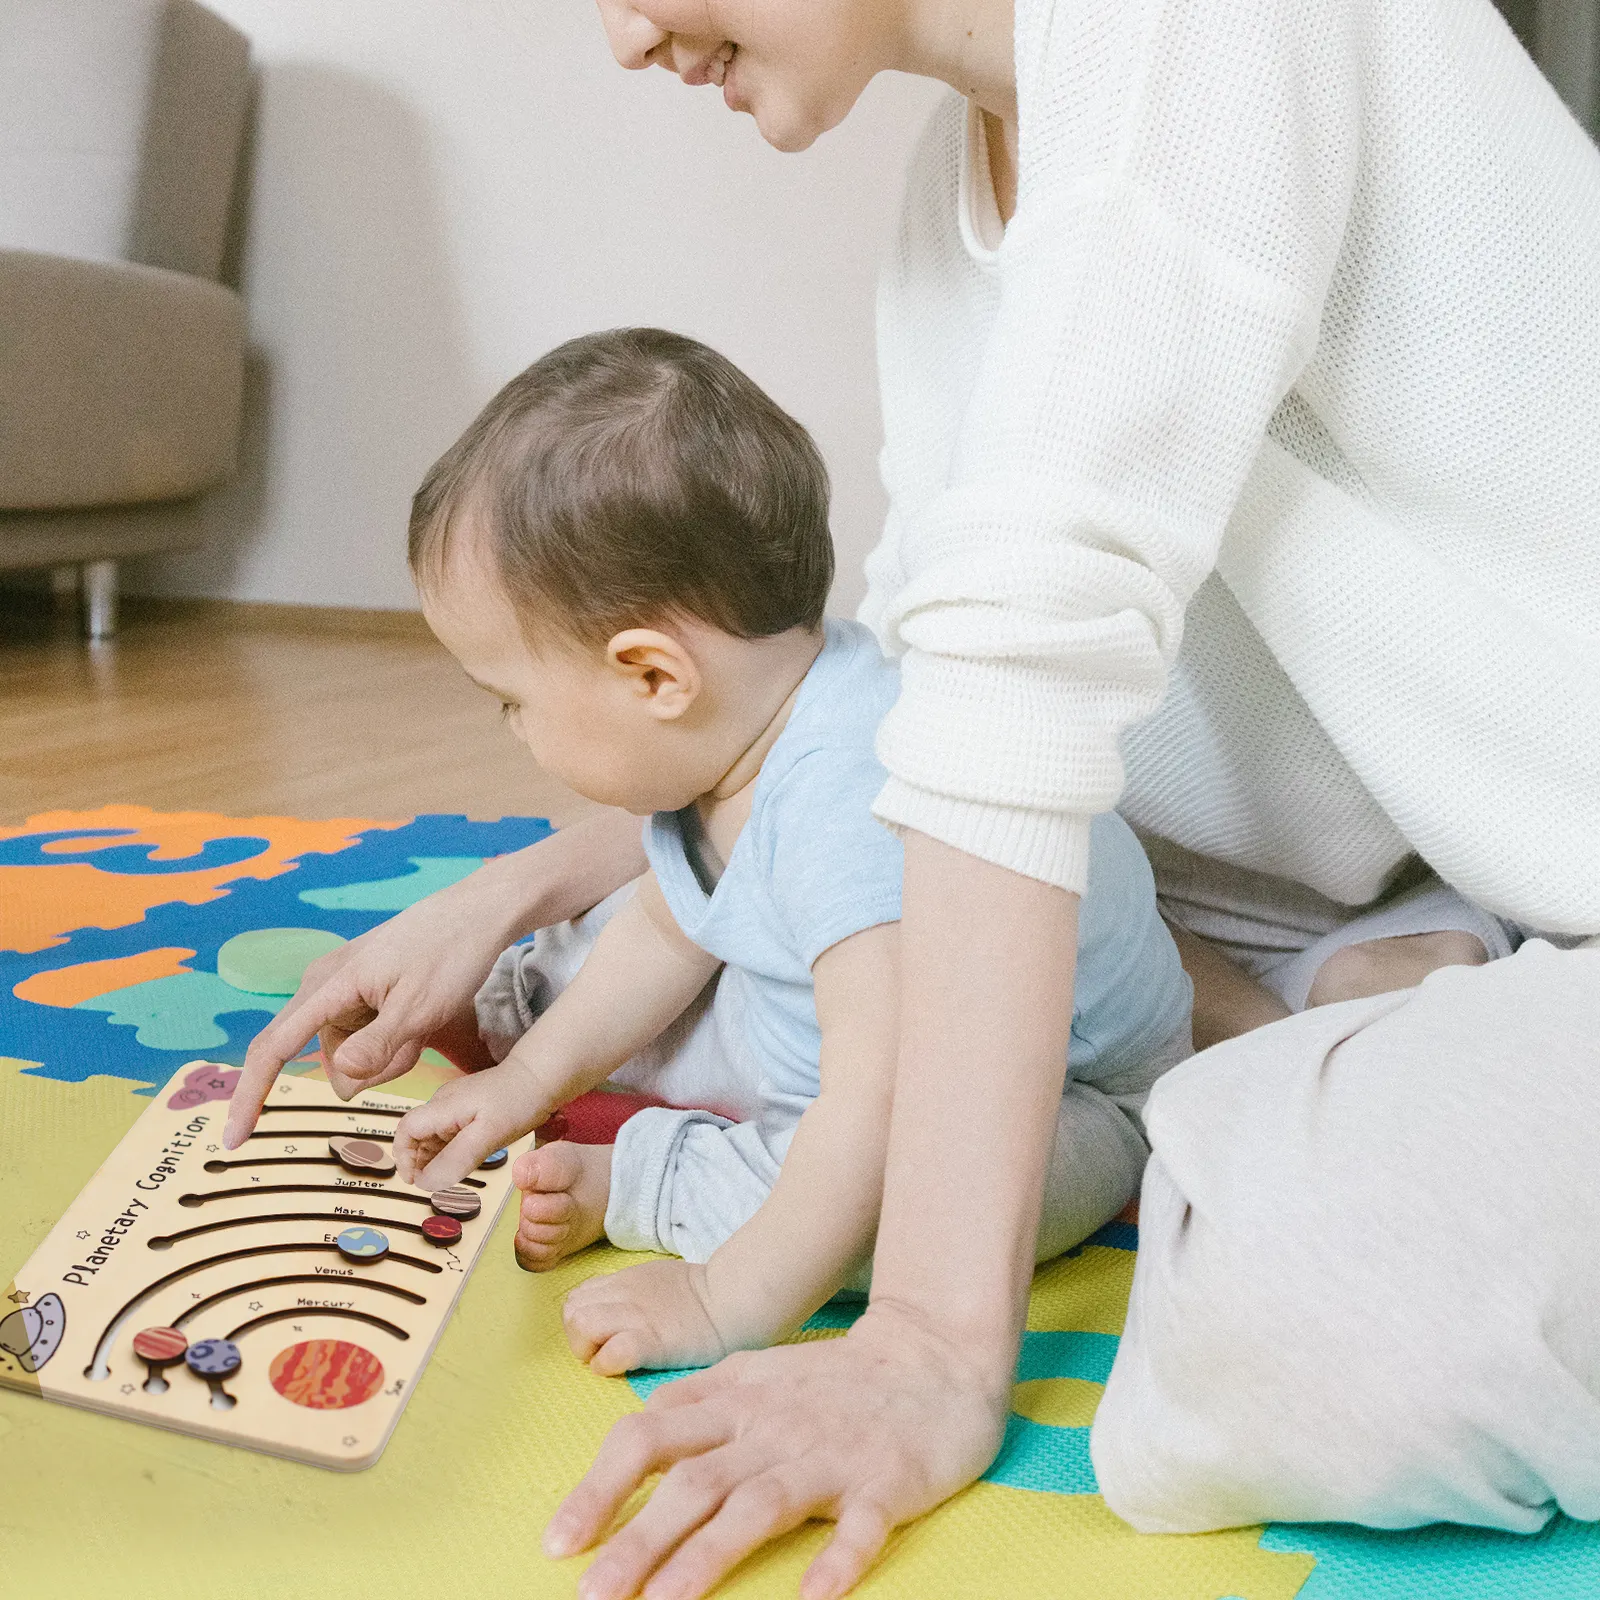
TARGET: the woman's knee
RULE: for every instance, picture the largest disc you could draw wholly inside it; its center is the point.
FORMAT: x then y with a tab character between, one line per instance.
1380	966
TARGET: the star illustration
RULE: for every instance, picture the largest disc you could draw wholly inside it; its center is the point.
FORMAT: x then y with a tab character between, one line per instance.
211	1149
255	1305
83	1233
19	1297
349	1439
290	1149
127	1388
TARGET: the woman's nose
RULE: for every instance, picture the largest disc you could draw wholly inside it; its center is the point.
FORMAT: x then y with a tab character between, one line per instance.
635	40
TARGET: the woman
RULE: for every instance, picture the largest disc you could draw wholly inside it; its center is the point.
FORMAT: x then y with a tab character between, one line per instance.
1282	316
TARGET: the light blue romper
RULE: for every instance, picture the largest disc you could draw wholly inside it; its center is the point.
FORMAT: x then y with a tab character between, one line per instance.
812	867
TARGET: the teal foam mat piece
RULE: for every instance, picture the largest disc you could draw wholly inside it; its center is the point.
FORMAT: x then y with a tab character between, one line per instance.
1445	1562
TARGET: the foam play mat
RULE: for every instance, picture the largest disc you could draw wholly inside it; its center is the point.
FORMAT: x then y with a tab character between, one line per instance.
133	942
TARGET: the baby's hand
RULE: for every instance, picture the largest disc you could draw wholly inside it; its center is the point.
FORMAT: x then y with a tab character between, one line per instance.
654	1315
439	1143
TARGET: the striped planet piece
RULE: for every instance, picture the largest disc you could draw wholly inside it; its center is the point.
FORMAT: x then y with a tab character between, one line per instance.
362	1244
363	1156
326	1374
457	1201
495	1158
214	1358
160	1346
441	1231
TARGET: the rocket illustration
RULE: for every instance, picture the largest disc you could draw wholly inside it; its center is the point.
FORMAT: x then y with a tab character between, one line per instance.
32	1334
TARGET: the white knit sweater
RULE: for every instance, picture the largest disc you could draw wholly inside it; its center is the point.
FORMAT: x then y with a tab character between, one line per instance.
1296	331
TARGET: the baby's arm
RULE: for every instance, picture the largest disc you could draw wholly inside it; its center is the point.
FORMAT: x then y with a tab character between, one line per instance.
814	1228
641	974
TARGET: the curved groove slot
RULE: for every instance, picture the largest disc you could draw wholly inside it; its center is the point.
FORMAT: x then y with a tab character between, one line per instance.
338	1111
97	1368
315	1311
165	1241
273	1161
310	1133
295	1277
192	1201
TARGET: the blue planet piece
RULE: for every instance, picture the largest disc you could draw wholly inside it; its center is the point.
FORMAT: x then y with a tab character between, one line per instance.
362	1244
495	1158
213	1358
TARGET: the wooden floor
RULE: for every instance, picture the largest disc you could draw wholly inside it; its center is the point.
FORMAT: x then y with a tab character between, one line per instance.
252	711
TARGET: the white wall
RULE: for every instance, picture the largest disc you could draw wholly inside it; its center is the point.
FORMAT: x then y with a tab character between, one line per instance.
439	191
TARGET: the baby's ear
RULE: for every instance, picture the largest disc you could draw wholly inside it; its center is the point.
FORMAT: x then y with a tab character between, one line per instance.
658	668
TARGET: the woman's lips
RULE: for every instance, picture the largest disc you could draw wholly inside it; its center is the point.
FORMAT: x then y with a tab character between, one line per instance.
729	95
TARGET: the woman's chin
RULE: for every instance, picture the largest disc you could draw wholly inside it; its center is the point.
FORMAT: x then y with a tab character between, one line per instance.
783	128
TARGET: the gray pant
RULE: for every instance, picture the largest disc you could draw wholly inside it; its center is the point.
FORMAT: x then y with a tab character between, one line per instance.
1368	1284
682	1181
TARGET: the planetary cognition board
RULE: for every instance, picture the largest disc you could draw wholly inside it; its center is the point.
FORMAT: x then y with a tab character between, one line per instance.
284	1296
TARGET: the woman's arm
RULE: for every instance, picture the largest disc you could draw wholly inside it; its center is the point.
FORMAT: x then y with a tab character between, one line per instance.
909	1407
382	998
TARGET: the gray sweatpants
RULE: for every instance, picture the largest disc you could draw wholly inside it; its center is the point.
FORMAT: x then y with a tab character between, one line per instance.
682	1181
1368	1284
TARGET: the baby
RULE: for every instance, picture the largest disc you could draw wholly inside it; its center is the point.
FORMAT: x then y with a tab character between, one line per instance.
629	548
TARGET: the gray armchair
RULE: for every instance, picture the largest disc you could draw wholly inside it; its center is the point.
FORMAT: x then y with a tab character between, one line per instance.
121	356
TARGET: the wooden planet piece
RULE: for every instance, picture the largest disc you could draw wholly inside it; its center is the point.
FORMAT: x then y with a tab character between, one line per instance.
456	1201
326	1374
363	1244
160	1346
365	1157
494	1159
442	1231
213	1358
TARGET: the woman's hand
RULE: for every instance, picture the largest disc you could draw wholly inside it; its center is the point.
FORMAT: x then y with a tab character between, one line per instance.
384	997
870	1430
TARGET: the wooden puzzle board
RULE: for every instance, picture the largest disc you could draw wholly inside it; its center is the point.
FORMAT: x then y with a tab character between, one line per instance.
175	1232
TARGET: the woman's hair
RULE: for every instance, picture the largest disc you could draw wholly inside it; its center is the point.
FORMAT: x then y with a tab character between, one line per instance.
629	477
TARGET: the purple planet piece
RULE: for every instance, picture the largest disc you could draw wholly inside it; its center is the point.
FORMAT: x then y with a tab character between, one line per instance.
214	1358
208	1080
33	1333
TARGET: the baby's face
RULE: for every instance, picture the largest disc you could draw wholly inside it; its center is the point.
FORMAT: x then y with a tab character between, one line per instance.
583	721
797	66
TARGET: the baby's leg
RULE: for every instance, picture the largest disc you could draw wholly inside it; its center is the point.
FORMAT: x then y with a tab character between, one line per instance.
683	1182
676	1181
528	976
1100	1150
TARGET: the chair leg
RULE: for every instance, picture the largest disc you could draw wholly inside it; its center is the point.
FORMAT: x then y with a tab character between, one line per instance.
100	599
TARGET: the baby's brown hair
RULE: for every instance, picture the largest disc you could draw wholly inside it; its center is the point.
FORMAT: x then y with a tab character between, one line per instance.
631	476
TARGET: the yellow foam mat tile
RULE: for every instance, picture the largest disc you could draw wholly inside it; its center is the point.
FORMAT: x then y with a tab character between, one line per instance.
502	1425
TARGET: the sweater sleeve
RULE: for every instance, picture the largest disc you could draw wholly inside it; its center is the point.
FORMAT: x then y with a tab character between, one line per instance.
1186	173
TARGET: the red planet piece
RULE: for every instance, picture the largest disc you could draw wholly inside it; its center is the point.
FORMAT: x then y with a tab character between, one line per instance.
441	1231
160	1346
326	1374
